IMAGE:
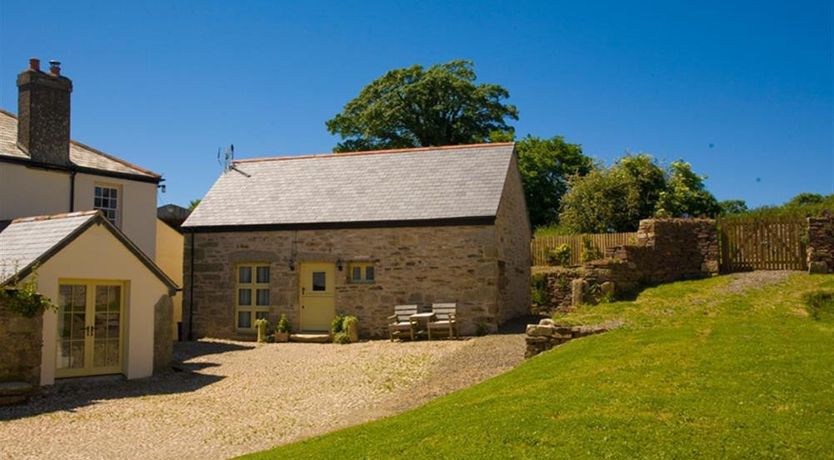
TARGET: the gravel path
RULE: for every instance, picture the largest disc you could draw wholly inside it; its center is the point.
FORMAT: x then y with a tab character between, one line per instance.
230	398
742	282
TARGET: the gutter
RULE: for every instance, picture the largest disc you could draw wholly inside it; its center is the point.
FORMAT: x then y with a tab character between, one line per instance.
72	191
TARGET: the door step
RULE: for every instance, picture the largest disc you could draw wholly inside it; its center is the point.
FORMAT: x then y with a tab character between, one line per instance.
310	338
15	392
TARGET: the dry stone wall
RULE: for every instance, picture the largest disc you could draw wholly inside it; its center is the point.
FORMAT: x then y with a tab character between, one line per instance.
547	334
820	251
21	340
665	250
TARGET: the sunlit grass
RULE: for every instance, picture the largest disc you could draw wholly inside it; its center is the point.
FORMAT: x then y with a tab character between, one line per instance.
696	371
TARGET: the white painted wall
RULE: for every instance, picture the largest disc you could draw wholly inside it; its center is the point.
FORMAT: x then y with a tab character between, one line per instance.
34	192
138	202
98	255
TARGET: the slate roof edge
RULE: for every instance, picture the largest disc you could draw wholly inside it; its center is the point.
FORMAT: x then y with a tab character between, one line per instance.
141	173
95	217
375	152
439	222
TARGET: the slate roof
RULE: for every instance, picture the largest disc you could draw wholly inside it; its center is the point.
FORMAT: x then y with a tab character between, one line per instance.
424	184
81	155
30	241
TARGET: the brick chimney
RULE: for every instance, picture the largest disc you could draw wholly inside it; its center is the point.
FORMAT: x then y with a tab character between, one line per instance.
43	113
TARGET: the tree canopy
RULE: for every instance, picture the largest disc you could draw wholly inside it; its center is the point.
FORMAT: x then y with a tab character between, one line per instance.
546	165
635	187
418	107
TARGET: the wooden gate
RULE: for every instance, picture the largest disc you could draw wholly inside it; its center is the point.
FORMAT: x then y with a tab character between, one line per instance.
762	244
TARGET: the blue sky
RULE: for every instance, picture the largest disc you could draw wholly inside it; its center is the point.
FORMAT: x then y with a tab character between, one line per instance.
743	91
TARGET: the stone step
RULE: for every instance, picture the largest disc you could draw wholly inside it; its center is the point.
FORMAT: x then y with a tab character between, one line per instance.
15	392
310	338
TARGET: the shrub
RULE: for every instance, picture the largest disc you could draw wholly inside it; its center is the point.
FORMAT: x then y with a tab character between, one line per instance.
559	256
820	304
345	329
341	338
538	289
24	299
283	325
589	250
337	325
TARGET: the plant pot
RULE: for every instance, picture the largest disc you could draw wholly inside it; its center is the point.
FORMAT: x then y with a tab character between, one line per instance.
282	337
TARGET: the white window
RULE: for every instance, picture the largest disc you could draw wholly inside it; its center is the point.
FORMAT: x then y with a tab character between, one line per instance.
106	199
252	295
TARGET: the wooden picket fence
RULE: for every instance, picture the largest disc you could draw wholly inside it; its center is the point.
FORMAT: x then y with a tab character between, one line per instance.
541	245
773	243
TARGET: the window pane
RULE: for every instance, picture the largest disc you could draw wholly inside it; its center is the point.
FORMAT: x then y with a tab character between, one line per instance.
244	297
262	297
319	280
356	274
262	315
244	275
114	193
263	275
98	192
369	273
244	319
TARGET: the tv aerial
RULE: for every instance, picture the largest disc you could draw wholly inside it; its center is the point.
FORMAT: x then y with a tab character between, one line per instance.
225	156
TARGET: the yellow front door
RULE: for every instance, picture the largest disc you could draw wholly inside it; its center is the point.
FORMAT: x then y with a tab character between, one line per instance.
90	328
318	300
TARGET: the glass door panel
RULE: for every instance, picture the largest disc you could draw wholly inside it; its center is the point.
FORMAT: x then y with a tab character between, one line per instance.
107	326
72	326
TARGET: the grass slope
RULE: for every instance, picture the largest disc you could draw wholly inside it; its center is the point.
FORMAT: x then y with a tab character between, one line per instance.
696	372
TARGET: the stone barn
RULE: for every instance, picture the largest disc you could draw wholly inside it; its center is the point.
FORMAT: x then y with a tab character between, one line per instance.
358	233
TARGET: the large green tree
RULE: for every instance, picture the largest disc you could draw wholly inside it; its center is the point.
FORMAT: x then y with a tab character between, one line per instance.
419	107
546	165
686	194
635	187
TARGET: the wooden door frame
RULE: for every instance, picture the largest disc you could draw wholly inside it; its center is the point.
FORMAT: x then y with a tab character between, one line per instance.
89	370
301	288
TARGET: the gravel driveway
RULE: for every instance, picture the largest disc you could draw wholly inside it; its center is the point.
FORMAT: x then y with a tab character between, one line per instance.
230	398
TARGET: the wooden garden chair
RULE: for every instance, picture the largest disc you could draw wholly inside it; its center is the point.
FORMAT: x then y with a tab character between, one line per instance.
400	321
444	319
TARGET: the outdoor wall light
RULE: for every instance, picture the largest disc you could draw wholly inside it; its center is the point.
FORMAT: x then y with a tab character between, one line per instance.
291	264
339	264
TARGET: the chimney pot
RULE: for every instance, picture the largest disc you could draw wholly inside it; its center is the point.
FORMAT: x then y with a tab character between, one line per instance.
55	68
35	64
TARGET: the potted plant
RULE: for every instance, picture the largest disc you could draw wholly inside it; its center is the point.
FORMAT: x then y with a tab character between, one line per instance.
282	329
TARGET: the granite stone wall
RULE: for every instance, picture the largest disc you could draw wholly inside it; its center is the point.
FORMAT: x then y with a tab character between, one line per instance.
163	335
21	341
514	259
420	265
665	250
820	250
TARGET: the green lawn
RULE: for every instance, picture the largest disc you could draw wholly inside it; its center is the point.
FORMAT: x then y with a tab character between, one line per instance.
696	372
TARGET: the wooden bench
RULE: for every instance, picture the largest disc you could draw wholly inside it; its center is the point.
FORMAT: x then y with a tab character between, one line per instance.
445	319
400	321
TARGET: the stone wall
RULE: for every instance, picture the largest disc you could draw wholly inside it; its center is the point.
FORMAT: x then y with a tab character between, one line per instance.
413	265
820	251
514	258
665	250
21	341
163	335
547	334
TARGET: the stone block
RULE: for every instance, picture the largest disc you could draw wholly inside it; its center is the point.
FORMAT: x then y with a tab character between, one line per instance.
817	267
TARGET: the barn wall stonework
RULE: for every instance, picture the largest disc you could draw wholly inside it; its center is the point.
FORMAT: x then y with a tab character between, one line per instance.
413	265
